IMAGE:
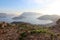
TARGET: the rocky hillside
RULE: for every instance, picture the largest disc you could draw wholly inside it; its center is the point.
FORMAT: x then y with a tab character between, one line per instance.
26	31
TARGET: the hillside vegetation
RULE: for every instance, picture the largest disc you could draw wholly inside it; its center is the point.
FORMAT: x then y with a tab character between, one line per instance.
26	31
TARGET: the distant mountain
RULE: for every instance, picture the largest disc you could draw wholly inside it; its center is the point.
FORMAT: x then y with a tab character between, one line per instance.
3	15
27	15
20	17
49	17
31	17
30	14
6	15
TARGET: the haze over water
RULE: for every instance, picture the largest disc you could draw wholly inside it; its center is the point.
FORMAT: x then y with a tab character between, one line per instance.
28	18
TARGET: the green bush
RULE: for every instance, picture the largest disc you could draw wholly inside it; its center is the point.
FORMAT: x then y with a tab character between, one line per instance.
22	35
32	32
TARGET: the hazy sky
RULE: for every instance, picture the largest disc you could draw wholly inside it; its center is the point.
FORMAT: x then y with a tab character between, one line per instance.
41	6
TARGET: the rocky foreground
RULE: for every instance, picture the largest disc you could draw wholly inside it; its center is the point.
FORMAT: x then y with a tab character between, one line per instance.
26	31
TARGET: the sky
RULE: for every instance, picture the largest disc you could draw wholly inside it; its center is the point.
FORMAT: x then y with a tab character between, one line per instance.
39	6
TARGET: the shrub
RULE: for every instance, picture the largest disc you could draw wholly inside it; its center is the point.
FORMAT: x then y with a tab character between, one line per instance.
24	34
